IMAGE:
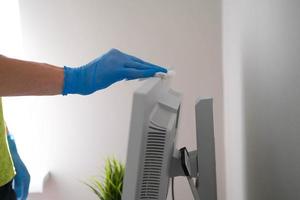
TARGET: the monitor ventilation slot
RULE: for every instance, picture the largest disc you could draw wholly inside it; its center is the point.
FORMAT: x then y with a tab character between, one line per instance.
156	139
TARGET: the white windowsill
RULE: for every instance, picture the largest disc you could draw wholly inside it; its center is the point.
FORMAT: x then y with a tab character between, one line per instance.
38	181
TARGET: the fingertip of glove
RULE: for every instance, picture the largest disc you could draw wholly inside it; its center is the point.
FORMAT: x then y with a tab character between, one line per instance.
164	70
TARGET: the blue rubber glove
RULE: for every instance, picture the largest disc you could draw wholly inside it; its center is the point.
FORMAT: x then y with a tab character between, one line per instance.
22	178
103	71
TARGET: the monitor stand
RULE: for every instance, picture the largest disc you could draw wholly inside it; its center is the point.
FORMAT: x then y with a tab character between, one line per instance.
199	164
185	164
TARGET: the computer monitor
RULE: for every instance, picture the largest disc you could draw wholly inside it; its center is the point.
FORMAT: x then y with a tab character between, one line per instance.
152	158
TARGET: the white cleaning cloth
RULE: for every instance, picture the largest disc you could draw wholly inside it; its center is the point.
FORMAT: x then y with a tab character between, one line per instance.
162	75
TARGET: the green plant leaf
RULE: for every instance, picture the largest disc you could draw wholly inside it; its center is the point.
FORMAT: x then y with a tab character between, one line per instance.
110	185
94	189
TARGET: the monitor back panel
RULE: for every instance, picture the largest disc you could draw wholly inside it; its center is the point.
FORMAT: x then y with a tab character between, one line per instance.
151	141
207	182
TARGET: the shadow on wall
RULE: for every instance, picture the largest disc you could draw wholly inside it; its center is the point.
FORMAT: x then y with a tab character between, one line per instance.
271	85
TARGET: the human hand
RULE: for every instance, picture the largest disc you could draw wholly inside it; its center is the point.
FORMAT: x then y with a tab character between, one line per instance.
100	73
22	178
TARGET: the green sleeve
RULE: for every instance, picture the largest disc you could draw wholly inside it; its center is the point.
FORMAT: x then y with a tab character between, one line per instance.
7	171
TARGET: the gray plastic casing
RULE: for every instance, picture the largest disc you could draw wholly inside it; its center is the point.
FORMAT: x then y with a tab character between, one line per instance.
207	180
152	134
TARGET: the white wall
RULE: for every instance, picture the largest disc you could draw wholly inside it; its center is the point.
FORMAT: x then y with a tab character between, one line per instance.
232	23
79	132
262	98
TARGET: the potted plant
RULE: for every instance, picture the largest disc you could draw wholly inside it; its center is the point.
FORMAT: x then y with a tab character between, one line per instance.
111	184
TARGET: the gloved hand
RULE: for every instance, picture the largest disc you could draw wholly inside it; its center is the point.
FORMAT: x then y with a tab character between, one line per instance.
22	178
103	71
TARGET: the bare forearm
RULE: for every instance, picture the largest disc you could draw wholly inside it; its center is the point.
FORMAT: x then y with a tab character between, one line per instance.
21	78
